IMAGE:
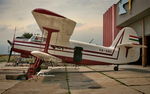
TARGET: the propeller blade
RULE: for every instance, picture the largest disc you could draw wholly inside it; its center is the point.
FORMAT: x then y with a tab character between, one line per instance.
10	54
9	42
12	45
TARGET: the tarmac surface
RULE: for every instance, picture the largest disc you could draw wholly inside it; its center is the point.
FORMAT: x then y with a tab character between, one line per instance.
130	79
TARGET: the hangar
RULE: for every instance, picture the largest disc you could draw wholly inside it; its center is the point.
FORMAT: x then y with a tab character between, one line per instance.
129	13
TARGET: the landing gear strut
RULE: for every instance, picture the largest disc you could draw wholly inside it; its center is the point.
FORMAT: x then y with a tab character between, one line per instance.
116	68
34	68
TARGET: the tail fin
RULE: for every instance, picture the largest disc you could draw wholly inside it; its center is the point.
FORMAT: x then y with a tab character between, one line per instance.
128	44
126	36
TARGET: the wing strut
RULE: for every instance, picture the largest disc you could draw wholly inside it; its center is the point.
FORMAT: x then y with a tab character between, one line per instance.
34	68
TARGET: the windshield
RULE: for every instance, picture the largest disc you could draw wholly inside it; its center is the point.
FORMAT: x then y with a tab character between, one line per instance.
37	39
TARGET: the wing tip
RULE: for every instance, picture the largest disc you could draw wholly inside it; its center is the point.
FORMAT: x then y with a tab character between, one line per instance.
47	12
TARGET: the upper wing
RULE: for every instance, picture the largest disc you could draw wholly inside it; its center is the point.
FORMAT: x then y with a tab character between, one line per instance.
48	19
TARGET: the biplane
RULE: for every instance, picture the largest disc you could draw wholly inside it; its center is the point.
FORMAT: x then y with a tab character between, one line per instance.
55	44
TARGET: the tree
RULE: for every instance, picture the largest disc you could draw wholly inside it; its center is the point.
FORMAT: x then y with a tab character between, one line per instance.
27	35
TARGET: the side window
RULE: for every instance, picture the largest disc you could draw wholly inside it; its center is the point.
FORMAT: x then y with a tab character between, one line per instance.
32	38
37	39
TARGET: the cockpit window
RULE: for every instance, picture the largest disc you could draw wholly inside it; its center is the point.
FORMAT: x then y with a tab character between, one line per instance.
37	39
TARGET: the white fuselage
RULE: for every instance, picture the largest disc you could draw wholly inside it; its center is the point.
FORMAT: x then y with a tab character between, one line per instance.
91	53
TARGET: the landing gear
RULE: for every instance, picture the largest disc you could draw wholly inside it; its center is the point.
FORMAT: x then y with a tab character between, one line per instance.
34	68
23	77
116	68
38	69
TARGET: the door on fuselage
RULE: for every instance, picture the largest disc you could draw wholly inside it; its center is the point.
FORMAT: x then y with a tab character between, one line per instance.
77	54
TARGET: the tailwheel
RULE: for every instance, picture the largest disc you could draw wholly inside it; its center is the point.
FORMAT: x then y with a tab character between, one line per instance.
116	68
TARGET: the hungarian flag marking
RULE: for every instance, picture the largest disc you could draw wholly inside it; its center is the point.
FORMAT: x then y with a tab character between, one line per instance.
134	38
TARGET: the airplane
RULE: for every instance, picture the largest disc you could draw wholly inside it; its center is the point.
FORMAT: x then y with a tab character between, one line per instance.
55	44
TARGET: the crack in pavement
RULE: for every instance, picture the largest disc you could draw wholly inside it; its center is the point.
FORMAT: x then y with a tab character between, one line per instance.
67	79
10	87
115	79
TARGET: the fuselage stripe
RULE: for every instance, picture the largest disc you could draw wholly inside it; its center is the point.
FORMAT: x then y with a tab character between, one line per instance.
72	50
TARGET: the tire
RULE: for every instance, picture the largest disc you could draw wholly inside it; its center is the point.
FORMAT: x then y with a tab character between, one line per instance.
38	69
22	77
115	68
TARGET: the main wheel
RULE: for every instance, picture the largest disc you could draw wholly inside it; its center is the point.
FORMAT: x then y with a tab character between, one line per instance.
22	77
116	68
38	69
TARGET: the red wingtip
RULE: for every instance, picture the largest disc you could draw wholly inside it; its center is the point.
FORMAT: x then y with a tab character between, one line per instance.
47	12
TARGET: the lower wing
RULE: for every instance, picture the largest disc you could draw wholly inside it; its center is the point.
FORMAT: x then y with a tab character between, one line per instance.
45	56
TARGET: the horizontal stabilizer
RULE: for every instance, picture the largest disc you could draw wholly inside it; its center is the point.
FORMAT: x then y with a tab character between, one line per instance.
131	45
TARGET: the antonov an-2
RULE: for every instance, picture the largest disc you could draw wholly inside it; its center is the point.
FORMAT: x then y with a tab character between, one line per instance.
55	43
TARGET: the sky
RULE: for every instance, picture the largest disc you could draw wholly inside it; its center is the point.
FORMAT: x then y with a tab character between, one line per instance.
88	14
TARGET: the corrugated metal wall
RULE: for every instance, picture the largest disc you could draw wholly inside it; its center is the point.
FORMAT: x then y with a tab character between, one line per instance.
109	26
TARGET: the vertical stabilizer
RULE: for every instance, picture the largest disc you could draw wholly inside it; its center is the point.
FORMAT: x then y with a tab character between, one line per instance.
127	42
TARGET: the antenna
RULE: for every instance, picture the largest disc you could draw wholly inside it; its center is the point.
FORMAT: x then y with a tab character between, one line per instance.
91	40
14	34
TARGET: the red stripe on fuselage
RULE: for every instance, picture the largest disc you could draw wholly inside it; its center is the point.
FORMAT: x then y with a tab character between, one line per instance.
73	48
25	52
29	46
121	37
83	62
66	59
85	50
16	41
134	36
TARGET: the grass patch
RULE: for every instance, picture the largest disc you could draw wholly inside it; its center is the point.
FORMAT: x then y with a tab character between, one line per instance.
4	58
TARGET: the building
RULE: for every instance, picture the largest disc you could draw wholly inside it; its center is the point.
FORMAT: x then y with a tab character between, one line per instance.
129	13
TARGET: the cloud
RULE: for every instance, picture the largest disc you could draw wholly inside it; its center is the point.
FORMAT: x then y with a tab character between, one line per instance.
3	2
86	32
6	32
33	28
79	25
85	27
4	28
87	13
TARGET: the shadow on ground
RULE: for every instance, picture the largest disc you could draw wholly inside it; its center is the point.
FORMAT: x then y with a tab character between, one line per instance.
76	79
137	70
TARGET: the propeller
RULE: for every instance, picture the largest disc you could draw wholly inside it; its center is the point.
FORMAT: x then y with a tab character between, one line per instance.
9	42
12	45
10	53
